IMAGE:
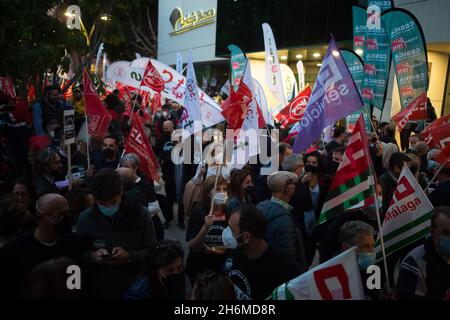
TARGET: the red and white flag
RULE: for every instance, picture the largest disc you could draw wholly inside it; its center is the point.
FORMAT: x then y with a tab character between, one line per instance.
7	86
98	118
417	110
437	134
152	79
191	119
293	112
138	143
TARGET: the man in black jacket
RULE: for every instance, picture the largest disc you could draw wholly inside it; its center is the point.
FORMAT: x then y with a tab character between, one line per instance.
389	179
123	234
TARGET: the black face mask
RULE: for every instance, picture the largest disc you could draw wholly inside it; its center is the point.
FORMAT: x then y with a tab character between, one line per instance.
250	190
64	226
312	169
175	285
334	166
108	153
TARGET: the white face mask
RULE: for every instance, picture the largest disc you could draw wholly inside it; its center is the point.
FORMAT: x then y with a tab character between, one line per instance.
220	198
165	113
228	240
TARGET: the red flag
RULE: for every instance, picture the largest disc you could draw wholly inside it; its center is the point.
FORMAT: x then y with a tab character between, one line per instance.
98	117
38	143
444	156
293	112
152	79
156	103
437	132
416	110
138	143
7	86
234	109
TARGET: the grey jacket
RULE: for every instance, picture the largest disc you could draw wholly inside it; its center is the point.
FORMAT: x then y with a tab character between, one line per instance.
130	228
282	231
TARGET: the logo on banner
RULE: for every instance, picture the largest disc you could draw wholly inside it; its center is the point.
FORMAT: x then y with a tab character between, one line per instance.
367	93
358	41
404	68
404	189
372	44
370	69
298	108
398	44
407	91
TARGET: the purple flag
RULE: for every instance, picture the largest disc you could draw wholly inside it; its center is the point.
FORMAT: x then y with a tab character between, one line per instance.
334	97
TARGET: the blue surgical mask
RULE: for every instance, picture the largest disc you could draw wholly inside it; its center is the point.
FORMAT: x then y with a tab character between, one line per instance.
109	212
444	247
228	239
365	259
432	165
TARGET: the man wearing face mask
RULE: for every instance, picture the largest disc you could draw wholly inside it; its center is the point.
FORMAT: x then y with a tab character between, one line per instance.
336	159
51	239
282	230
47	167
256	267
125	230
109	157
389	179
440	196
362	236
425	272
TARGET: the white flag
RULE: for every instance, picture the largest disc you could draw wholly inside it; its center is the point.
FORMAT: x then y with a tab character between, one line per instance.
179	67
301	75
191	119
336	279
289	82
273	72
408	217
260	96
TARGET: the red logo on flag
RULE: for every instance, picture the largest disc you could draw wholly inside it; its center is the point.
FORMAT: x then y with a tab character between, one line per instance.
358	41
372	44
294	110
367	93
416	110
370	69
407	91
398	44
404	68
152	79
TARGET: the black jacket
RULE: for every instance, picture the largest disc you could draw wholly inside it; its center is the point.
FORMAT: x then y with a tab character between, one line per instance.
130	228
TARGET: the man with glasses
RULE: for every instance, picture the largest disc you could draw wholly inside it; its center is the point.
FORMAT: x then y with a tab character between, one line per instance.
51	239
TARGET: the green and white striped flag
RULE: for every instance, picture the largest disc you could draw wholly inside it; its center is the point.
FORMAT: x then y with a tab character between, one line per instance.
408	217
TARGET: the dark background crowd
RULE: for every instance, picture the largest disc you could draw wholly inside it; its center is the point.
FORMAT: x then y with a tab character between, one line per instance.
246	237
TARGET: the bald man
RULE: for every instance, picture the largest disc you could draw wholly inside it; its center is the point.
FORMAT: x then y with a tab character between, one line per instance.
51	239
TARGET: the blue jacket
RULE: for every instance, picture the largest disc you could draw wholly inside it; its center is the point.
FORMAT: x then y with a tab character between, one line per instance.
282	231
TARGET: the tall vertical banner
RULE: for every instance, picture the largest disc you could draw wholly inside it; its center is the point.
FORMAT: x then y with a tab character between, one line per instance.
191	119
301	75
377	55
359	29
334	97
237	63
273	76
260	97
356	68
409	53
289	82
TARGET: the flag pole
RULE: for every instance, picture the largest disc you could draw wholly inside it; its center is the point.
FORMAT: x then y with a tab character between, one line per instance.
218	172
87	140
69	166
435	176
380	230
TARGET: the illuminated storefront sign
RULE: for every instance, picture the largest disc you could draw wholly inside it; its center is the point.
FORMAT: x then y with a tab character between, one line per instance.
183	23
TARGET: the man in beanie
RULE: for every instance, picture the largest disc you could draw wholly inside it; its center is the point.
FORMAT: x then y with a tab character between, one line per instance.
282	229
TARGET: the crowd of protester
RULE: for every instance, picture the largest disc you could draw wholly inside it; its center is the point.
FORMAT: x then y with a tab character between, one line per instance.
246	233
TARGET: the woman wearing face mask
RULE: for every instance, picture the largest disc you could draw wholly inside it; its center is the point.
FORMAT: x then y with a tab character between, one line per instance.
204	232
241	188
164	279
